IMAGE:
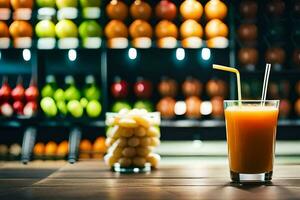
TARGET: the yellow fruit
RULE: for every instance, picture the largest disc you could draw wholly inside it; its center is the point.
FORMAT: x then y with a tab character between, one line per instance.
127	132
145	141
139	161
128	123
155	141
153	159
129	152
153	132
133	142
141	120
125	162
143	151
140	131
110	160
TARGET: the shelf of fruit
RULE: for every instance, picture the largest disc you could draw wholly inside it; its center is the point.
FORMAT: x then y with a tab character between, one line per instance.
136	23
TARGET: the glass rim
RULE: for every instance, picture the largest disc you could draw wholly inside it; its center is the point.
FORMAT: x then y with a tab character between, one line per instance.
252	101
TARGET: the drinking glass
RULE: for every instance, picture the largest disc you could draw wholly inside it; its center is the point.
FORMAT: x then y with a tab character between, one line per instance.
251	135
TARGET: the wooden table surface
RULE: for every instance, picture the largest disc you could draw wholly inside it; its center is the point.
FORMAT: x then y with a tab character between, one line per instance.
174	180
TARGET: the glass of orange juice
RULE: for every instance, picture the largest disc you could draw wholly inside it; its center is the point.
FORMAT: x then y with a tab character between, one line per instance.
251	135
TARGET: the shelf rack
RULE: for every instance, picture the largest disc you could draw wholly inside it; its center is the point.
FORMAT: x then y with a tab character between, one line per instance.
105	72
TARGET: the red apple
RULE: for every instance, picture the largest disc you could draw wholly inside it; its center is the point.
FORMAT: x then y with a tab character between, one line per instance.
32	92
6	109
192	87
143	88
119	88
30	109
168	87
5	90
166	10
166	107
18	92
18	107
284	108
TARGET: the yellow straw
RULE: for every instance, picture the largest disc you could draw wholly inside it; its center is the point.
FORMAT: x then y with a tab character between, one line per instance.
233	70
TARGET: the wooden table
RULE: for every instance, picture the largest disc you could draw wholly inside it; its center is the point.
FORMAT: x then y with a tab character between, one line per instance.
174	180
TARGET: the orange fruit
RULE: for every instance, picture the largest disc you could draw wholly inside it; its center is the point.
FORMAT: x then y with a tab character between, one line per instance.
4	3
215	9
191	9
20	29
166	28
21	4
39	148
140	28
4	32
115	28
63	148
191	28
51	148
85	146
99	145
215	28
117	10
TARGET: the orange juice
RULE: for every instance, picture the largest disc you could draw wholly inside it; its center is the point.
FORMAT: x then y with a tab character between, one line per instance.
251	135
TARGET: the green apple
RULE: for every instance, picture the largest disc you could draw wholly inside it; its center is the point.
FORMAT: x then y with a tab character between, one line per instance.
66	28
62	107
90	28
94	108
48	106
72	93
47	91
59	95
84	102
45	28
92	93
75	108
144	105
119	105
66	3
46	3
90	3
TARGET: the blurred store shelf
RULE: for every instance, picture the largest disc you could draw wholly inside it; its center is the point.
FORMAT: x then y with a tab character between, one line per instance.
217	148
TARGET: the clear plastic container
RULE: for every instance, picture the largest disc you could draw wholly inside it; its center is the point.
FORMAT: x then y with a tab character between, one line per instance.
131	138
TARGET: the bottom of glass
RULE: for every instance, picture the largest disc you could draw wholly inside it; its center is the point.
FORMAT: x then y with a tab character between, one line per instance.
132	169
251	178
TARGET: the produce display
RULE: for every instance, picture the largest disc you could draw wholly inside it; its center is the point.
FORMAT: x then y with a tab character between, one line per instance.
193	107
118	24
51	150
275	41
131	137
83	17
71	101
89	149
18	101
10	152
142	89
